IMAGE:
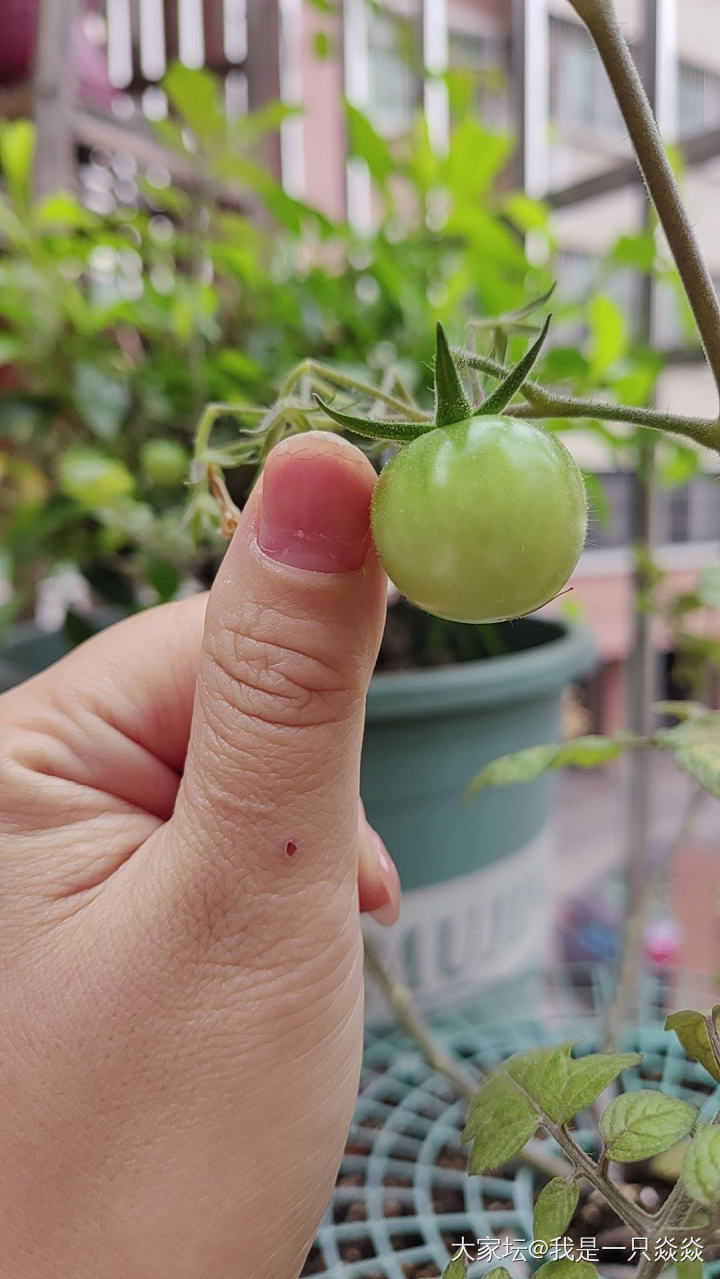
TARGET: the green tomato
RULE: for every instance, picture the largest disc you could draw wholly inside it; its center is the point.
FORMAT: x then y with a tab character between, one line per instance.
164	463
93	479
480	521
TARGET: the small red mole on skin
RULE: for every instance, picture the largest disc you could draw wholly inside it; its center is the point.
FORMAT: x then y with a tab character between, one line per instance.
290	849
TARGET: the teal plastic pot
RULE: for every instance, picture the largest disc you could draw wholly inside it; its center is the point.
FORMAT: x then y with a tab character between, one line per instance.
27	651
476	875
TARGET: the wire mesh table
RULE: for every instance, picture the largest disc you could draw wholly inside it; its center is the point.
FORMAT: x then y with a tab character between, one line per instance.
403	1197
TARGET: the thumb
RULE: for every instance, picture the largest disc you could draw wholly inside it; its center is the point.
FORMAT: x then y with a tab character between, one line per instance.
292	631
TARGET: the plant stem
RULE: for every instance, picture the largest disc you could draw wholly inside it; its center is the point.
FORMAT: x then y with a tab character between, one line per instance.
602	22
635	1217
210	415
704	431
401	1002
412	1021
312	369
542	403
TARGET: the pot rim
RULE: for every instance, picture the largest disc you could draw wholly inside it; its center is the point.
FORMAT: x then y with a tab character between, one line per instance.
465	687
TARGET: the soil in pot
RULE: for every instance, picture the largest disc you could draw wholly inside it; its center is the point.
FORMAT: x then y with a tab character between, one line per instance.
415	640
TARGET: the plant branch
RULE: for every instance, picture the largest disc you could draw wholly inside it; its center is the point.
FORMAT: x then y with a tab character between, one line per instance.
311	369
602	22
467	1084
634	1217
542	403
401	1002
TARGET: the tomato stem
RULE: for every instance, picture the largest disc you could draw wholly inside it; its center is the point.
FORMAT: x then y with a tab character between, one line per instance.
542	403
601	20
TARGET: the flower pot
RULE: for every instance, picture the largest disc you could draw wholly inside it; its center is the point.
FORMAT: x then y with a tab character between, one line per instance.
26	650
476	876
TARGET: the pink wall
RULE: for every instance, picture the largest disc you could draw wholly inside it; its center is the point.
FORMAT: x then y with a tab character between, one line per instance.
324	131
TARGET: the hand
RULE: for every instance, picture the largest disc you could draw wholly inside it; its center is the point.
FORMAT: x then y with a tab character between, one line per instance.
182	841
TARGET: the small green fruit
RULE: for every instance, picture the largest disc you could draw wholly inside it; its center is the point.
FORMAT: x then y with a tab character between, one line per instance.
480	521
164	463
92	479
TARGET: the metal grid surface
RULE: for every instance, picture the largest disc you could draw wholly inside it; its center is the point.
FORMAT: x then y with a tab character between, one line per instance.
403	1196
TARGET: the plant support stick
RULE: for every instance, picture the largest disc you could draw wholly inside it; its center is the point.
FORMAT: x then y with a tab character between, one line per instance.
601	20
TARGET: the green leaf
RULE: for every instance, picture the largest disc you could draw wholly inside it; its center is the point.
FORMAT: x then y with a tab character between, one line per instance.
524	766
377	428
77	627
564	362
17	149
677	466
364	141
527	214
566	1268
498	1272
543	1074
691	1029
451	404
554	1209
636	251
502	396
321	45
668	1164
696	747
588	1077
700	1171
640	1124
195	96
456	1270
102	400
500	1122
63	211
163	577
608	338
689	1269
92	479
10	349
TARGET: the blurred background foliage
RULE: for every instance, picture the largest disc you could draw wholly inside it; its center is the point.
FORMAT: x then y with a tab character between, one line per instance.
115	330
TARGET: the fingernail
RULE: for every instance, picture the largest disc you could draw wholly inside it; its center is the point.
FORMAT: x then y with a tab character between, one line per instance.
315	511
388	913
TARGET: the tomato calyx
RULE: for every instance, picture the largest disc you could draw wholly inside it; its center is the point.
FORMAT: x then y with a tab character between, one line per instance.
451	403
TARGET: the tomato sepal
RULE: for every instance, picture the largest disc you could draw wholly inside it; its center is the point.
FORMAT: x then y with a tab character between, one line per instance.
377	428
451	402
509	387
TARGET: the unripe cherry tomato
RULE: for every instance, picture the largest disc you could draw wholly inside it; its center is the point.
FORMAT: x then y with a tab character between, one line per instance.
164	463
480	521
